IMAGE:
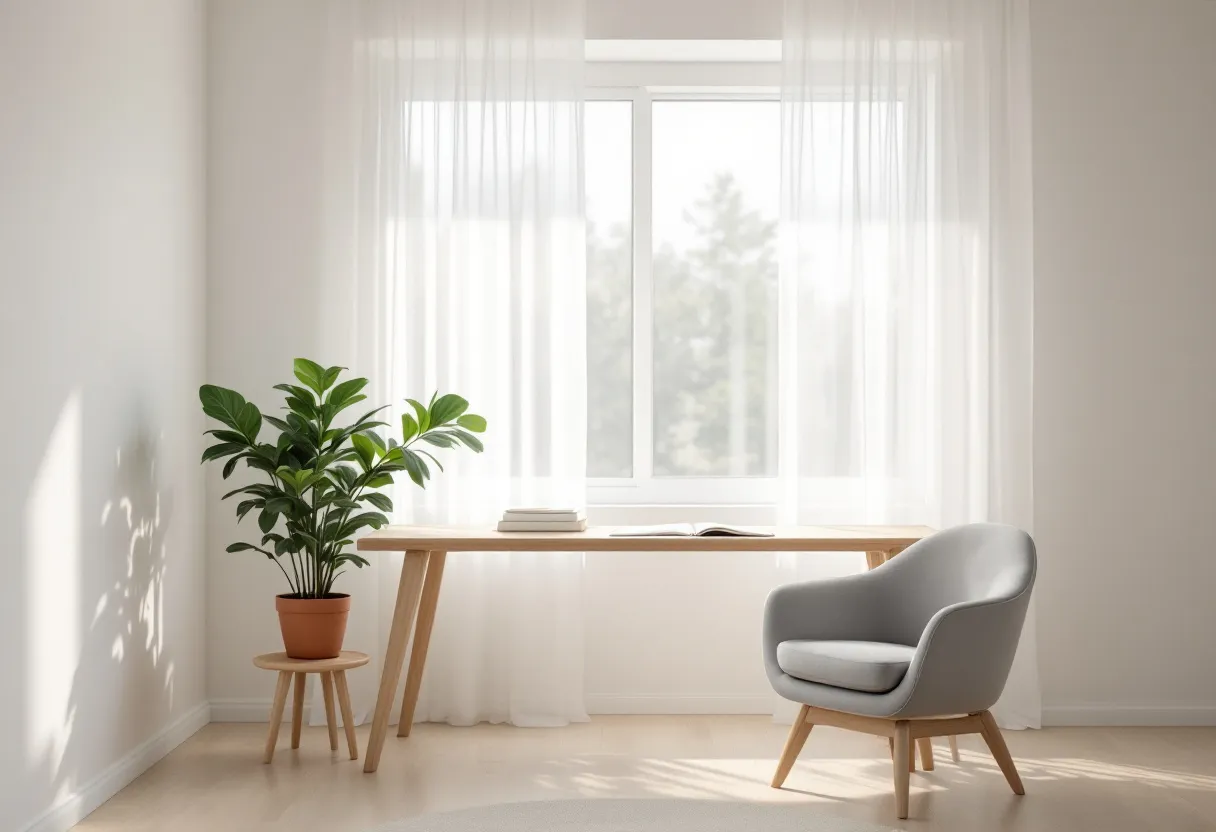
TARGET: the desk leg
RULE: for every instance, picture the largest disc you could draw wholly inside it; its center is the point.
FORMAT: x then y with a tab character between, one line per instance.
422	641
875	559
408	593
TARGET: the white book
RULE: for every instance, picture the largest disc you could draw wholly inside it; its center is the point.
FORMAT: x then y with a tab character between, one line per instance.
550	526
689	530
520	515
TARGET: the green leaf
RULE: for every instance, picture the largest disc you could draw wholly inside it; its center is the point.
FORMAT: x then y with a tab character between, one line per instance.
423	415
245	507
380	501
301	407
297	391
446	408
344	475
230	465
261	464
249	421
365	448
267	519
469	439
377	440
473	422
311	375
343	395
222	404
277	422
330	376
279	505
288	477
222	449
228	436
379	481
439	440
409	427
241	547
259	488
371	518
431	457
416	468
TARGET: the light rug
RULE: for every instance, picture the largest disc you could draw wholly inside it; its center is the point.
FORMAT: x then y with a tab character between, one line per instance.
615	815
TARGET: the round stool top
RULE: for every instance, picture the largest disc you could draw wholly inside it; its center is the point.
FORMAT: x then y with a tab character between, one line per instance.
345	660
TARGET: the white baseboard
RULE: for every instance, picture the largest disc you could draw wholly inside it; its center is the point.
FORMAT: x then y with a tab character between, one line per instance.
630	703
258	710
76	806
243	710
1105	714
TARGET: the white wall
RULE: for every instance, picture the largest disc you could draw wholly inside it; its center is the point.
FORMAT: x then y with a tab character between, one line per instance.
1125	386
101	272
1125	172
264	253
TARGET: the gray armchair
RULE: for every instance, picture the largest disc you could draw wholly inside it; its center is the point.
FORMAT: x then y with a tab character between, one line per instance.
916	648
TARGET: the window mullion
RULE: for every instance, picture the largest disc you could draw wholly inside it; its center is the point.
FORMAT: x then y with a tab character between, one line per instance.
643	291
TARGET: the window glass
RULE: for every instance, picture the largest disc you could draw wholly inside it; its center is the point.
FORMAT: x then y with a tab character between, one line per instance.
716	187
609	194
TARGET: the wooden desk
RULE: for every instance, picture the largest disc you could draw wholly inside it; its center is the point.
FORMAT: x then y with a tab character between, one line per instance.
426	549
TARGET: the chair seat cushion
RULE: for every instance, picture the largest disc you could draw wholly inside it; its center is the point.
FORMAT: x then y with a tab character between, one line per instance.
866	666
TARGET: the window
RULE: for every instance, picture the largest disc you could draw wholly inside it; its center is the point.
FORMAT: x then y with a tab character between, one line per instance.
682	203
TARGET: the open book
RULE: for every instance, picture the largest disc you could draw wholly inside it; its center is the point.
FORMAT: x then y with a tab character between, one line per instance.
689	530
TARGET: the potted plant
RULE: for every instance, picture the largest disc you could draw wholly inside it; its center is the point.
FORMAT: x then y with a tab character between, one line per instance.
322	480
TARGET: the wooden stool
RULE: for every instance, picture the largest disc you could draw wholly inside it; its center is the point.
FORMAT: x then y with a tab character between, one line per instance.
331	670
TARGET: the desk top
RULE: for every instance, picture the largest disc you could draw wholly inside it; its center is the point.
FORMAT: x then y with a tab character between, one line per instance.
597	539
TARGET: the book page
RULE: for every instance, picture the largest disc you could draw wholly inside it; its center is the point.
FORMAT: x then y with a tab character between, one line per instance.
723	530
669	530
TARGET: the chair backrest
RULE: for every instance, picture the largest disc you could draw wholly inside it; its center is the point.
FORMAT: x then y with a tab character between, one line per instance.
972	563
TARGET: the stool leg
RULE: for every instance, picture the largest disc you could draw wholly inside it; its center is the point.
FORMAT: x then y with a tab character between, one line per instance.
348	717
297	710
276	713
954	748
331	721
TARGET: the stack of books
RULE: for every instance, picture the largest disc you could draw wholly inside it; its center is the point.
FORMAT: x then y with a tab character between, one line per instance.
542	520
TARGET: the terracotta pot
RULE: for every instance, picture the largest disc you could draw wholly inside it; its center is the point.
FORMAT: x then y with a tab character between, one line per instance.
313	628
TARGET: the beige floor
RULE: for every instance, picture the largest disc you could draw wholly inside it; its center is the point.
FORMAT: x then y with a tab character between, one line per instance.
1076	779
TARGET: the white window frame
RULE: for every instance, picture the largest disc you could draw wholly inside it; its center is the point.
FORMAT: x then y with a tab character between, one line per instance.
625	71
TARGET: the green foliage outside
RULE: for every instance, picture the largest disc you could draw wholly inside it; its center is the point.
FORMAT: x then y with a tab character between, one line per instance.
715	331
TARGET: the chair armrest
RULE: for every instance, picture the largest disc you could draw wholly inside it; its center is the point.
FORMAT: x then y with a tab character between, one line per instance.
964	656
844	608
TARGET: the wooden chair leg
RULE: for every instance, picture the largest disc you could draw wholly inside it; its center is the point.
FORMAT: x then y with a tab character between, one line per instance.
954	748
799	731
331	721
891	746
903	752
926	753
911	757
297	710
348	717
996	744
276	714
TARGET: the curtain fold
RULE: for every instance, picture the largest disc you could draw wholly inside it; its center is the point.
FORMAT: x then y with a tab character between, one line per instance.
454	141
906	283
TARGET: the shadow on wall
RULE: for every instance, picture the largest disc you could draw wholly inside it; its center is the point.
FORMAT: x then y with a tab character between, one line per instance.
95	671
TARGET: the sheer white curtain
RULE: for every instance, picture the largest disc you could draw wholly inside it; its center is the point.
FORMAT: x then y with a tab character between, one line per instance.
457	150
906	284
